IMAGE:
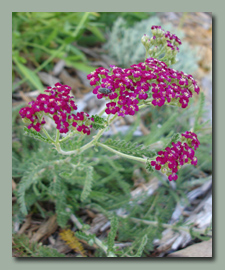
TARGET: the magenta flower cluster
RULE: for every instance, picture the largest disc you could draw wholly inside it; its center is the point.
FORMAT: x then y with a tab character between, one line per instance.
129	86
58	105
170	160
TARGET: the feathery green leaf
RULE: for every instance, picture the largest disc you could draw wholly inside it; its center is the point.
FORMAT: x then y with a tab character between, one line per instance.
112	234
99	122
142	246
135	149
88	183
36	135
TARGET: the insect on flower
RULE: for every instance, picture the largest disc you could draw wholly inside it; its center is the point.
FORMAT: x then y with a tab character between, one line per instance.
104	91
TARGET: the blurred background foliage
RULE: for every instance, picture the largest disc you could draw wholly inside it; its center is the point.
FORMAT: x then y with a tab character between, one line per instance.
39	41
40	37
124	44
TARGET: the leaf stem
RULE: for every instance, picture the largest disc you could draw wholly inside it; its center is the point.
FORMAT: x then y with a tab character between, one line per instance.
57	136
86	146
170	226
122	154
66	138
47	135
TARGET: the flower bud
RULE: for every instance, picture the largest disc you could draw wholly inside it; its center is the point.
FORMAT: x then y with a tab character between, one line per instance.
144	39
155	49
164	170
147	43
154	32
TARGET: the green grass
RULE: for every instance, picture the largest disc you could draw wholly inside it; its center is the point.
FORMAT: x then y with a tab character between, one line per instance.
38	38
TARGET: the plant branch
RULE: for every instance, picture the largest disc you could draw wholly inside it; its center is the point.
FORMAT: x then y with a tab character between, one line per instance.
170	226
47	135
86	146
121	154
57	136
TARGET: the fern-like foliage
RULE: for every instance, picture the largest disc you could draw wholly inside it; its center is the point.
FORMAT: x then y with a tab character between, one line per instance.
112	234
88	183
23	248
149	166
175	138
142	246
135	149
99	122
36	135
31	177
72	241
61	190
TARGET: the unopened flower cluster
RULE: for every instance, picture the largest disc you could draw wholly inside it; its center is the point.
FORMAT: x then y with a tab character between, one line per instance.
129	86
58	105
163	43
182	152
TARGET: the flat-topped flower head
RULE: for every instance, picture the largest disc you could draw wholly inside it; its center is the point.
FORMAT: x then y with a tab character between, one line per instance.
170	160
167	85
59	105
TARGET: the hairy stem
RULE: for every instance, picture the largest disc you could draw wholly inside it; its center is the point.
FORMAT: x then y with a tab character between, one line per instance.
121	154
57	136
47	135
166	226
101	113
86	146
66	138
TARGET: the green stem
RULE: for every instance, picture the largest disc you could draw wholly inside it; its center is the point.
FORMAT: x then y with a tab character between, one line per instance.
94	142
166	226
68	153
146	54
88	145
57	136
160	52
101	113
99	243
121	154
66	138
47	135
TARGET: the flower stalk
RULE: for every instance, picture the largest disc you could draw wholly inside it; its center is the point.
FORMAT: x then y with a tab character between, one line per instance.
144	160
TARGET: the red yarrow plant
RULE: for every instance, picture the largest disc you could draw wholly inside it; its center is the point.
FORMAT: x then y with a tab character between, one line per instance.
127	90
